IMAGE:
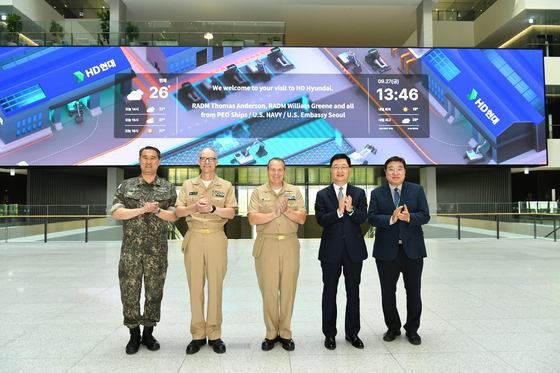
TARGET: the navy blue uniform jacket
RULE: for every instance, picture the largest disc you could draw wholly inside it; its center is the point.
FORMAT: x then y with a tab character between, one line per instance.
381	207
336	229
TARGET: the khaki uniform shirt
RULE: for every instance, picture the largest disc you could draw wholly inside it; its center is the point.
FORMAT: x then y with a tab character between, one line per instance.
219	193
265	200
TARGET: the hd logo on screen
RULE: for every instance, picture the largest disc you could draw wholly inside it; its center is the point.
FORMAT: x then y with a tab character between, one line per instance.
483	107
92	71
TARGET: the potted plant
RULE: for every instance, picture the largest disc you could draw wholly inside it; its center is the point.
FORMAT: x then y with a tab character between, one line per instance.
14	25
167	42
104	25
57	31
273	41
232	42
131	33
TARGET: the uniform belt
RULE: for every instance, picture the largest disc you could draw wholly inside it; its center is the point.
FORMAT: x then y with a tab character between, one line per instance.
206	231
277	236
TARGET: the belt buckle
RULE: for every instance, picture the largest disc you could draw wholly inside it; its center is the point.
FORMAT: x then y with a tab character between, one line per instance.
281	237
206	231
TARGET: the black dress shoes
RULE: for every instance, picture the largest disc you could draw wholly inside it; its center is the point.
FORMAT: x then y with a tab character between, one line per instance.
356	341
413	338
218	345
287	344
330	343
195	345
134	343
268	344
391	334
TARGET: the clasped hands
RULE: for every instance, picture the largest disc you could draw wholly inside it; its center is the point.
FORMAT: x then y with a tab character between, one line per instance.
202	205
281	208
400	213
345	204
150	207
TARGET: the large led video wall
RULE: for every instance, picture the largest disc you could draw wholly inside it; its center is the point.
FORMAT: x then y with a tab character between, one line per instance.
432	106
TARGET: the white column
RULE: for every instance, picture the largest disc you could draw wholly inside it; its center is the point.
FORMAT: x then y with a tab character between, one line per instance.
117	21
115	177
424	23
428	182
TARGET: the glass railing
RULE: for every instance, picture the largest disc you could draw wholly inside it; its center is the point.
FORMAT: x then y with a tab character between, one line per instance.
155	33
87	223
460	10
544	37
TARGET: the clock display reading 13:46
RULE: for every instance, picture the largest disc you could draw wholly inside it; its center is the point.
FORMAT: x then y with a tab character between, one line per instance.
390	94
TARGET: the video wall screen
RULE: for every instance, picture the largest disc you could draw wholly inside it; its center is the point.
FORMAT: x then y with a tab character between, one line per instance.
432	106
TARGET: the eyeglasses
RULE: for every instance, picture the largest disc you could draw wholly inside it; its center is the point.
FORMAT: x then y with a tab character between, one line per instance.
397	170
204	159
343	168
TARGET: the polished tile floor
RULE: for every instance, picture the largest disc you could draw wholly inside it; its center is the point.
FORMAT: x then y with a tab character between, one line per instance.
489	306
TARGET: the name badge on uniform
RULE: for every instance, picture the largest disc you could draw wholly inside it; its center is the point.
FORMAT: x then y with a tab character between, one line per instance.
218	193
266	199
193	193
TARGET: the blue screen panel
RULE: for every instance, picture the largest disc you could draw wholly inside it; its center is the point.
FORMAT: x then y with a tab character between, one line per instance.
22	98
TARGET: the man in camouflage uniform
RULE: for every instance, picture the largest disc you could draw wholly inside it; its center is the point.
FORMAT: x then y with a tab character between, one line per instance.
276	208
207	201
145	204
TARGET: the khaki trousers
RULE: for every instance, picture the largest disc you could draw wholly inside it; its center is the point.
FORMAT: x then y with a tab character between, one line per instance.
206	258
277	271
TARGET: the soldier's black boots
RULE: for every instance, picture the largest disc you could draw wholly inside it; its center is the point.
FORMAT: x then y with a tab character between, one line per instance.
134	343
148	339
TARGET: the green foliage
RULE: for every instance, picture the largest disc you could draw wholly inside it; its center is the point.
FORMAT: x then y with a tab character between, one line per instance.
14	25
104	25
56	30
131	31
274	38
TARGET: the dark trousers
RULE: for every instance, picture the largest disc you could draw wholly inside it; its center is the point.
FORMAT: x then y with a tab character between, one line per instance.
389	272
352	278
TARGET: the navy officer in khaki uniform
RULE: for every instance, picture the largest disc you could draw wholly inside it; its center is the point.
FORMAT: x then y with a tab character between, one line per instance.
207	201
276	208
146	205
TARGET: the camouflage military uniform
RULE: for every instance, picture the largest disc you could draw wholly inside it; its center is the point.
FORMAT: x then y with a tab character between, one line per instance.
144	248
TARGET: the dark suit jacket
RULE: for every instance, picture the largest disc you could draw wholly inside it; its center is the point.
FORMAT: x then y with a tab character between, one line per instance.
381	207
336	229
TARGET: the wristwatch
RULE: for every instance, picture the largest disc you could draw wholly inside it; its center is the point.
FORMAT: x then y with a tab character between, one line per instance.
158	210
213	209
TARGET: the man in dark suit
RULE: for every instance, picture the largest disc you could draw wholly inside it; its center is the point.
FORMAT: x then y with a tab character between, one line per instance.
398	209
340	209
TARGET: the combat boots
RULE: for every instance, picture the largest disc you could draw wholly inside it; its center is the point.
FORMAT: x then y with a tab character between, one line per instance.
134	343
148	339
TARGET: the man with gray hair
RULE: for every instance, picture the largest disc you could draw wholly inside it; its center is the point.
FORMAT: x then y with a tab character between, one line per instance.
208	202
